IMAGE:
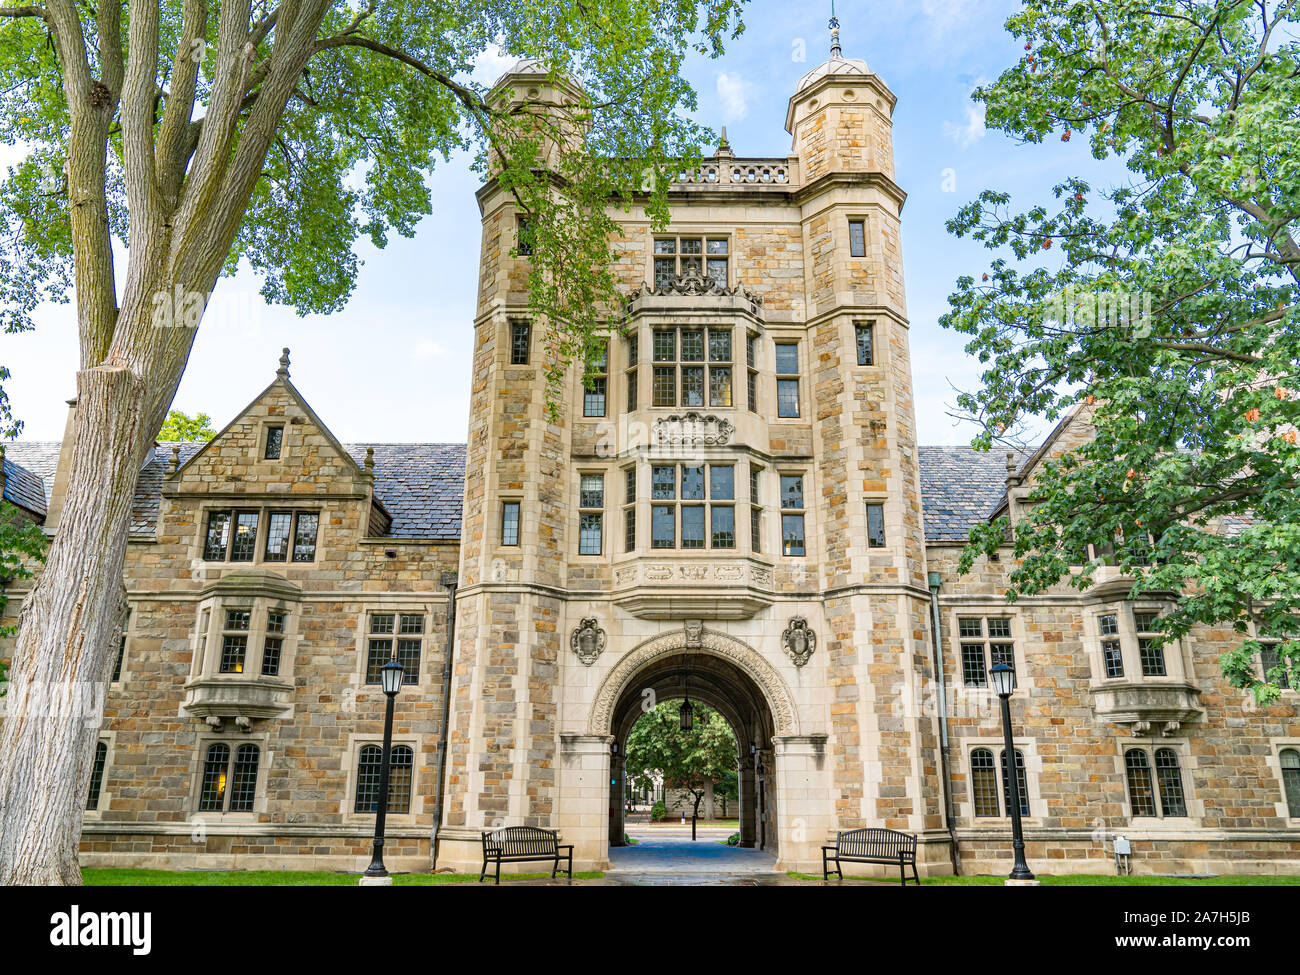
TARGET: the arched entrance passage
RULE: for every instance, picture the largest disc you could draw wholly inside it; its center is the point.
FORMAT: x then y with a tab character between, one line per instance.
728	676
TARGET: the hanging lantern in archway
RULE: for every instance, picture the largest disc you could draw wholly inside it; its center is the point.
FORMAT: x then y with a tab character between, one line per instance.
687	716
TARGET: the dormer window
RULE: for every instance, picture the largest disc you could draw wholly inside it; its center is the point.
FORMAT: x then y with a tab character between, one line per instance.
274	442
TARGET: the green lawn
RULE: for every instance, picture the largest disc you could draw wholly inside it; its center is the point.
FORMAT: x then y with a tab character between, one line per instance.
1104	880
279	878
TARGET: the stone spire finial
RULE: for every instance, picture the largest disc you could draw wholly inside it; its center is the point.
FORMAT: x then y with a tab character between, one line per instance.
175	461
283	371
724	147
370	460
836	53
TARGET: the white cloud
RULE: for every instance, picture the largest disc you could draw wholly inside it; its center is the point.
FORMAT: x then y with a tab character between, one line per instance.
971	129
733	90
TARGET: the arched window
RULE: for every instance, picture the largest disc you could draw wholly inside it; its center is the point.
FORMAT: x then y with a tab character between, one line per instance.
369	762
244	780
1291	780
212	793
1022	784
1140	794
983	782
97	774
1170	780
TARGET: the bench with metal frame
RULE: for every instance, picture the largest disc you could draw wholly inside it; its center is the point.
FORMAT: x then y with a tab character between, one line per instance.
524	844
872	845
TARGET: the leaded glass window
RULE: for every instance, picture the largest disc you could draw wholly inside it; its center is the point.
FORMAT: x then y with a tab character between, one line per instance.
304	538
243	781
244	543
864	334
510	523
1022	784
696	504
875	525
1111	652
370	761
279	525
973	671
212	788
521	334
121	649
274	442
1274	667
1150	655
983	783
792	515
1141	795
787	379
1169	778
703	257
857	238
1290	759
702	369
596	385
591	519
234	640
97	774
273	644
218	534
379	648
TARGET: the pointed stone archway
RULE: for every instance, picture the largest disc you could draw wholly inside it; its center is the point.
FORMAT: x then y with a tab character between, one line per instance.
729	676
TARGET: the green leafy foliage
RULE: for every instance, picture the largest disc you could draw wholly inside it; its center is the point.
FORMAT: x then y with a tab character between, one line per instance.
22	548
384	90
1162	311
686	759
179	426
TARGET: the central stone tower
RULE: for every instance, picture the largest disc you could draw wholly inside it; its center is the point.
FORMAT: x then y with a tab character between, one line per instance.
730	512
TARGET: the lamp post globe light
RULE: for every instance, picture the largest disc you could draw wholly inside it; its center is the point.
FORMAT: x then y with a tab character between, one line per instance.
390	679
1004	682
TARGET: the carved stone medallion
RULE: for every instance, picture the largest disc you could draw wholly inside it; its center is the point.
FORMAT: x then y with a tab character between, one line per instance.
587	641
798	641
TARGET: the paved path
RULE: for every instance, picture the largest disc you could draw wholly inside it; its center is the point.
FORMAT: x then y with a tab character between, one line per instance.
662	850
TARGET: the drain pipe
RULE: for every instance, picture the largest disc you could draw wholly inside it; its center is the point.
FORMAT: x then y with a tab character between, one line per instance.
449	581
945	753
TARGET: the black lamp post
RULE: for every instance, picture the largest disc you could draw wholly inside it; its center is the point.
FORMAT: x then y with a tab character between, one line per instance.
1004	679
390	678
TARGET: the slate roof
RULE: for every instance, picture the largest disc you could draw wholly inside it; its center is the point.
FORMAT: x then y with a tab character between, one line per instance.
422	484
959	487
23	488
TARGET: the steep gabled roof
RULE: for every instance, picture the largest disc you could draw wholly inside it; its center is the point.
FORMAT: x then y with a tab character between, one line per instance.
421	485
960	486
24	487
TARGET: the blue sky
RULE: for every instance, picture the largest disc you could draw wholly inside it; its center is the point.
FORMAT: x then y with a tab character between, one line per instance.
394	364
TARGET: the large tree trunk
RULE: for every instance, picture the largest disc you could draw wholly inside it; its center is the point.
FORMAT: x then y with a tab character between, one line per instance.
70	623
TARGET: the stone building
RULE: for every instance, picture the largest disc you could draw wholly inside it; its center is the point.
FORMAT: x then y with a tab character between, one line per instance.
733	510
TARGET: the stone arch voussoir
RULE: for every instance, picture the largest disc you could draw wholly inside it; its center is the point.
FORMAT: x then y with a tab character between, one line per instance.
780	701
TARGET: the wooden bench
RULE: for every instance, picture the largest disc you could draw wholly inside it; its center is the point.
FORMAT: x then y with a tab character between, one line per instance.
887	846
519	844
